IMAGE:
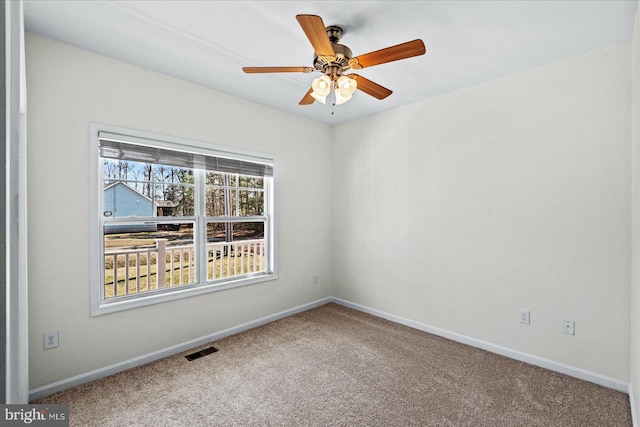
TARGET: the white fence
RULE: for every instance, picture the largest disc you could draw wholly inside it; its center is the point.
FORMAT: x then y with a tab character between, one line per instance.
131	271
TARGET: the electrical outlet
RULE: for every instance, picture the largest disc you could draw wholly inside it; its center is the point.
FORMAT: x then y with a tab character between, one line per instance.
524	316
50	340
315	279
569	327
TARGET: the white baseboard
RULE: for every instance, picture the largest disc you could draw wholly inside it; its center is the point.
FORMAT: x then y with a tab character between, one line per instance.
493	348
170	351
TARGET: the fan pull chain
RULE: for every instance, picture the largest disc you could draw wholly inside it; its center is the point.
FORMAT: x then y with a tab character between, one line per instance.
333	104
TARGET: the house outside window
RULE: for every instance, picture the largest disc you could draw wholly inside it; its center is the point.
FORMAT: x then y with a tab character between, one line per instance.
175	218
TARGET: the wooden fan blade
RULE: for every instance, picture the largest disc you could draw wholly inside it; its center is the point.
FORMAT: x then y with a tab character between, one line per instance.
307	99
369	87
389	54
313	27
277	69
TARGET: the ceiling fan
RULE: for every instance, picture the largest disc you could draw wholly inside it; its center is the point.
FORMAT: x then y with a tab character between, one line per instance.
333	59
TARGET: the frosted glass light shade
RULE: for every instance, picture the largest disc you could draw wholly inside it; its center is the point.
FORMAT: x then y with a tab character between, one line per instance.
321	86
346	86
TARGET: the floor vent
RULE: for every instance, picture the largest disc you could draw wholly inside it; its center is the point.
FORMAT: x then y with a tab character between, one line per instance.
201	353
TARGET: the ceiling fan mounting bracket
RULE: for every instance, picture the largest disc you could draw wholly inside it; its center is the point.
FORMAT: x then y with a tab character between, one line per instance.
335	33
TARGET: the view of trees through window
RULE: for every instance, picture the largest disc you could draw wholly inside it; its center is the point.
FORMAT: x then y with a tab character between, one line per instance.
167	186
150	213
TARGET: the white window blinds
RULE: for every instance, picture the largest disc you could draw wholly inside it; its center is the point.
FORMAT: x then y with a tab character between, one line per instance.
129	148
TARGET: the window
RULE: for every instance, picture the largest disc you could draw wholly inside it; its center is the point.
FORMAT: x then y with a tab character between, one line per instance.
176	218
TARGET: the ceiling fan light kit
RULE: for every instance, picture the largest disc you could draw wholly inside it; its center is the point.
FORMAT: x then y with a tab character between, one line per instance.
343	88
333	59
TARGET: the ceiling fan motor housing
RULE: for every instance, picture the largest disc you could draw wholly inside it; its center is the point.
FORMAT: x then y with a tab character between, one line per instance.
343	55
334	68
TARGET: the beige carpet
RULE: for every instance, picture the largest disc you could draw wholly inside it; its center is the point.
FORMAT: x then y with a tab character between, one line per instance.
336	366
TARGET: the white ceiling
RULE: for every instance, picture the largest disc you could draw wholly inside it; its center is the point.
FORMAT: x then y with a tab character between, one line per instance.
208	42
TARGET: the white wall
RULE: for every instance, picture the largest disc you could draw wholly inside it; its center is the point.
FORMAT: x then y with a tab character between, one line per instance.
457	211
68	88
635	218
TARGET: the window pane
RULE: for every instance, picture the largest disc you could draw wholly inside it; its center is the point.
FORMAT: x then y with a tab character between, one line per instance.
251	182
233	231
215	178
248	230
125	170
133	255
134	189
221	188
121	200
215	202
234	195
174	200
234	249
250	202
172	174
216	231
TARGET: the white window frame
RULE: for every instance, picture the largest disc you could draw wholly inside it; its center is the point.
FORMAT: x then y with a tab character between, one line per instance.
100	305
